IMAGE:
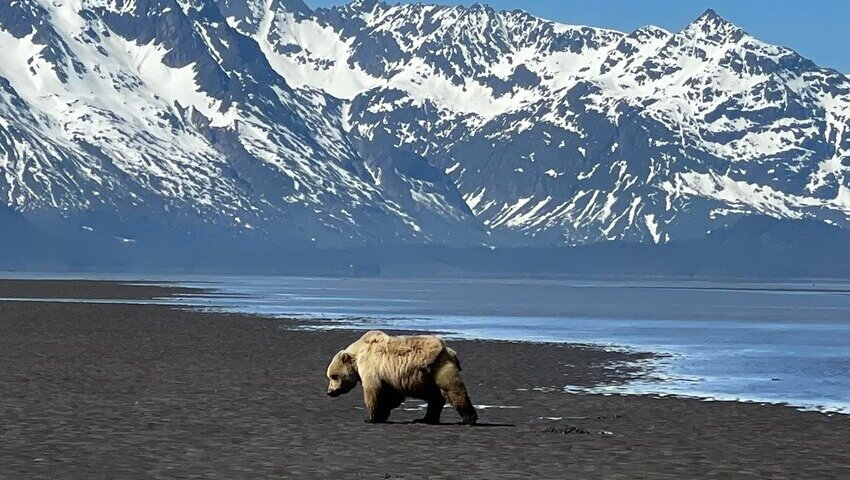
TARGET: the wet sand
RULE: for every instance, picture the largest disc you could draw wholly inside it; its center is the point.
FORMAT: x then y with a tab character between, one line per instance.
140	391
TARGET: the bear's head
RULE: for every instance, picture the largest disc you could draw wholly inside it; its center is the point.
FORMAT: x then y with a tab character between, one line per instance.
342	374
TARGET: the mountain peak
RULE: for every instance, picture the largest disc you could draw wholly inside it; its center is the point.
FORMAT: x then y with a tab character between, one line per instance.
710	14
295	6
649	31
364	5
711	26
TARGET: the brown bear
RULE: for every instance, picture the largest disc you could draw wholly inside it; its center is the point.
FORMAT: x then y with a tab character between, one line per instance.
393	368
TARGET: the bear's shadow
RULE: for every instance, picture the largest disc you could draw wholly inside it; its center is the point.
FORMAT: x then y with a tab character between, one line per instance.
448	424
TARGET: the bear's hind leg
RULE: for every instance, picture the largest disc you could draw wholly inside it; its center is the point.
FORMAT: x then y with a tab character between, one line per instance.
451	385
460	400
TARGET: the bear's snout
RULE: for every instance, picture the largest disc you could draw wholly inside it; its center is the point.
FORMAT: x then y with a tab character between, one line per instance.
333	393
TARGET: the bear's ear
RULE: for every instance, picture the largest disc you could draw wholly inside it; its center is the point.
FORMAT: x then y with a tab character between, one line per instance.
346	358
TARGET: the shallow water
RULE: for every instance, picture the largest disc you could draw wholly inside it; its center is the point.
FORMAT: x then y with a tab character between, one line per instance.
776	343
784	343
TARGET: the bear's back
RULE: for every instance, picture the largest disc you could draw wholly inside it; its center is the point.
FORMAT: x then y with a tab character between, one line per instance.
414	351
421	350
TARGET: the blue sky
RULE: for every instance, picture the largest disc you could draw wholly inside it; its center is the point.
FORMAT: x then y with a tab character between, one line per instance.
817	29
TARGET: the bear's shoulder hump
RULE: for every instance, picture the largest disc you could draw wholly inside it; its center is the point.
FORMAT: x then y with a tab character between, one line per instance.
375	336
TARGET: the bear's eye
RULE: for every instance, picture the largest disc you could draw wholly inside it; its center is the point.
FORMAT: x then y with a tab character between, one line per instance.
334	377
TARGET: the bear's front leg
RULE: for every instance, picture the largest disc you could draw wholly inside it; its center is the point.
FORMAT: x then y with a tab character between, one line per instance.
436	402
375	411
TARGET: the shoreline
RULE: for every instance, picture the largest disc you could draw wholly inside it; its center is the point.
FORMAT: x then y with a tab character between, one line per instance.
149	391
154	276
646	363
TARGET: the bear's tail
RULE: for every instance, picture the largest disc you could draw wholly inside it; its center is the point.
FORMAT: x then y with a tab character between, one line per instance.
453	357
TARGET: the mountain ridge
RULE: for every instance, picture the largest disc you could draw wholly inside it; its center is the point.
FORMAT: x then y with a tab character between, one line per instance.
371	123
660	87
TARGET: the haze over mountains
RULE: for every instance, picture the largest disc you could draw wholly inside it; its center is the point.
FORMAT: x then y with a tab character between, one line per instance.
167	131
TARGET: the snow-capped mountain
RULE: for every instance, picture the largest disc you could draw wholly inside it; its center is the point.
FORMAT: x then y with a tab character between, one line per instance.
157	111
567	134
370	123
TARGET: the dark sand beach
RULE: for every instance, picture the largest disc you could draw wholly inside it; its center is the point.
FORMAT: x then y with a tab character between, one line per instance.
97	391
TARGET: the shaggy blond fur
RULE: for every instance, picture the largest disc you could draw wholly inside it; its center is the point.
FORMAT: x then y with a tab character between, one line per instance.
393	368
